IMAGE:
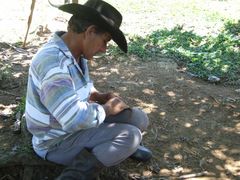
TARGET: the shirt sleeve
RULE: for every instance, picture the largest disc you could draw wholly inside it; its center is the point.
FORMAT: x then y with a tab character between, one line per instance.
57	94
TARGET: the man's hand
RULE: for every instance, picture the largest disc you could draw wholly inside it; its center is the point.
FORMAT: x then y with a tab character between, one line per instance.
109	96
114	106
101	98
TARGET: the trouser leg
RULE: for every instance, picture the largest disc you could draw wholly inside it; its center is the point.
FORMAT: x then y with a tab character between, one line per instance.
85	167
111	143
138	118
133	116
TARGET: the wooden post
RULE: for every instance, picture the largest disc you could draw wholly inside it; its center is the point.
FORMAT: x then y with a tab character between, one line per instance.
75	1
29	22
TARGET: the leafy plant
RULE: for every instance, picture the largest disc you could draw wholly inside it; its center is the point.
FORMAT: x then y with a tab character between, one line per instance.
5	71
202	55
21	106
18	44
233	28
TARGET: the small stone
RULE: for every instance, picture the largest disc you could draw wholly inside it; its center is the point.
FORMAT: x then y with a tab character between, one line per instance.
16	127
18	98
192	75
237	90
213	79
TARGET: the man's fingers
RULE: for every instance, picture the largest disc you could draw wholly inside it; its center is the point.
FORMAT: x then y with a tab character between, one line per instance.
112	95
116	105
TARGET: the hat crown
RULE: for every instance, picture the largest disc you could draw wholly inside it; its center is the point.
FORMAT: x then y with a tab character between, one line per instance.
101	14
107	11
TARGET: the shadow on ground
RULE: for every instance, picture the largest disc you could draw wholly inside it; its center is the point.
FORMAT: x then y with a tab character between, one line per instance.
194	125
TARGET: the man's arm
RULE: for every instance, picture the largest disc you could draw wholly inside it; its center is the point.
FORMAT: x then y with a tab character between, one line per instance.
59	97
101	98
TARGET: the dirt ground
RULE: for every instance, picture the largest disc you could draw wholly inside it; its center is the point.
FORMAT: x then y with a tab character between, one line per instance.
194	129
194	125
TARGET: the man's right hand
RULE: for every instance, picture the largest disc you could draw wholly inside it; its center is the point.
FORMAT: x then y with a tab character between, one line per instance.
114	106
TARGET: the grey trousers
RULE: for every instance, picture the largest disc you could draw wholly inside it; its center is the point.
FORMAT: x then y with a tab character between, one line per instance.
111	143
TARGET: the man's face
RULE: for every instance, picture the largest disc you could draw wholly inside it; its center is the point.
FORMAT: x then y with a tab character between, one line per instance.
95	43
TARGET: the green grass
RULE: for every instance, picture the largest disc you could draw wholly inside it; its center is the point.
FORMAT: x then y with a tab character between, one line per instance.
21	106
206	16
201	35
5	72
202	55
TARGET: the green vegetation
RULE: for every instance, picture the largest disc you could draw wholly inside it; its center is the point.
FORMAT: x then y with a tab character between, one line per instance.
18	44
21	106
203	56
5	72
202	35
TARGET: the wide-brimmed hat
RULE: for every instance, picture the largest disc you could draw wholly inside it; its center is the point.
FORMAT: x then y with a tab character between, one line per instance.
102	15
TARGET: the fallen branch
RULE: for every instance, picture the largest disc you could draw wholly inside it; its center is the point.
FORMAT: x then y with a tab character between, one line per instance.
214	99
8	93
186	176
7	177
16	48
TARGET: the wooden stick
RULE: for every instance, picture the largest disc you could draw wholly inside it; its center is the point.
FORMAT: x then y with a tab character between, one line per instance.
75	1
193	175
8	93
29	22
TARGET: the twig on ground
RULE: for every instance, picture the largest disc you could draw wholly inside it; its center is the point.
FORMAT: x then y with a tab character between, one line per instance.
20	50
215	99
193	175
7	177
8	93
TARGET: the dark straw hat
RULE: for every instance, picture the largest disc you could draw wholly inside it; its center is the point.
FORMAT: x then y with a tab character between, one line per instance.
101	14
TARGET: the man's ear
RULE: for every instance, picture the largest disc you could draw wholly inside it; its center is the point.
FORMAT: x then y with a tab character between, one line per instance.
90	30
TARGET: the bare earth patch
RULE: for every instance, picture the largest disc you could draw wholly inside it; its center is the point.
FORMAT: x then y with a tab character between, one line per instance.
194	126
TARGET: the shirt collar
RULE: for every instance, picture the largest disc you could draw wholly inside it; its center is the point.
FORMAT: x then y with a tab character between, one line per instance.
58	41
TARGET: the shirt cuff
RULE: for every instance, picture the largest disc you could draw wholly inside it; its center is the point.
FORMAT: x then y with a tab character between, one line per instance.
101	115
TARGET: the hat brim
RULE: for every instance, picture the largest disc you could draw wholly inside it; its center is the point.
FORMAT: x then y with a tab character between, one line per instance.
96	18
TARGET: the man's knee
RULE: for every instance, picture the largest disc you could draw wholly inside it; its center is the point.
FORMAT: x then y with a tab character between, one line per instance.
140	118
124	144
135	136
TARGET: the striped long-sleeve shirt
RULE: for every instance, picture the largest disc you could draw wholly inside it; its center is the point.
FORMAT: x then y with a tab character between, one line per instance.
57	96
